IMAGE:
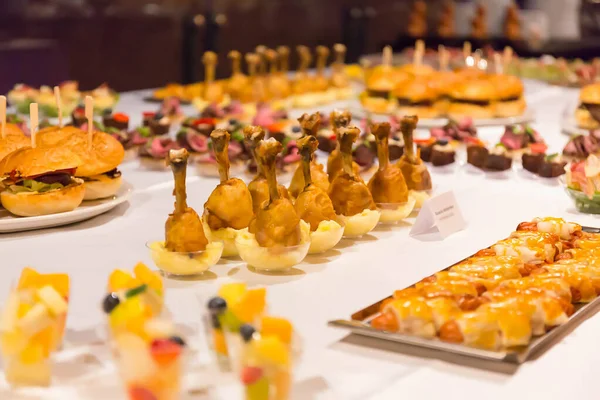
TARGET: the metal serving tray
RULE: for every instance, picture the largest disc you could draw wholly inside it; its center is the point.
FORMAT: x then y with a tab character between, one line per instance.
360	325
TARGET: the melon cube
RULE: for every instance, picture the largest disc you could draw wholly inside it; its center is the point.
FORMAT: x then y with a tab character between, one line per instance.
9	313
36	319
53	300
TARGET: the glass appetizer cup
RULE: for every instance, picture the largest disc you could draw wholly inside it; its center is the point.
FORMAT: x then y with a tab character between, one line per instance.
359	224
150	362
392	213
326	237
32	325
420	197
153	164
266	366
273	259
215	338
582	202
185	263
225	235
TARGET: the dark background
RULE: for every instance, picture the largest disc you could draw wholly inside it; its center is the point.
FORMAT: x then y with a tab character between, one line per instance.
133	44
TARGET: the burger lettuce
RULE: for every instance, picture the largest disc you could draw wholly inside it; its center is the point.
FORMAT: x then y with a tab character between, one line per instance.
30	185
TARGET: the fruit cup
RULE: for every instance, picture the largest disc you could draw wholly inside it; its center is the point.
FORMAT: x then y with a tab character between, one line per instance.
265	370
129	309
150	360
234	306
32	328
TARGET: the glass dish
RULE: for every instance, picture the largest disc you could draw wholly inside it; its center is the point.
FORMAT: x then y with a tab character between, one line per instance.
359	224
420	196
154	164
583	203
225	235
326	237
273	259
392	213
149	373
185	264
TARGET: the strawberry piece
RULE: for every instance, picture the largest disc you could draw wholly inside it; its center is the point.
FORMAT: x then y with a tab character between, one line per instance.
250	375
165	351
141	393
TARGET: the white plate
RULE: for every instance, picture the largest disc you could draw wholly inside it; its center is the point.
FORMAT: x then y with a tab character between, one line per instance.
569	127
527	116
87	210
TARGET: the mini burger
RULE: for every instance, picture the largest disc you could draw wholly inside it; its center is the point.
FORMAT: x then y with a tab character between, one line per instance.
417	70
40	181
378	96
589	102
509	95
443	82
99	164
14	139
473	99
416	97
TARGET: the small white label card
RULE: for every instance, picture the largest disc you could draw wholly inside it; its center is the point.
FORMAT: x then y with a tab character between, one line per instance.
439	213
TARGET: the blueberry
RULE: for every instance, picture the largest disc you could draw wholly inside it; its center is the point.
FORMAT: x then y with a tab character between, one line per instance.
158	116
247	331
178	340
296	129
233	121
110	302
217	304
442	142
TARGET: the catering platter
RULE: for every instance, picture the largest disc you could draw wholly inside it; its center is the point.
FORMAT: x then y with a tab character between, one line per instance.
87	210
360	324
570	127
526	117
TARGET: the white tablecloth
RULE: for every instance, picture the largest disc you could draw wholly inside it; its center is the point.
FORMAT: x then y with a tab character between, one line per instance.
333	365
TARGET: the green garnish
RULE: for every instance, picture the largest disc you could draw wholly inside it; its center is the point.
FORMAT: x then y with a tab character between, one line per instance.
501	145
136	290
112	129
550	157
144	131
237	135
229	321
29	185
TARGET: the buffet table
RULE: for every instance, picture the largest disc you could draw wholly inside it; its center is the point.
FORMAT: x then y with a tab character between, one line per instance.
333	365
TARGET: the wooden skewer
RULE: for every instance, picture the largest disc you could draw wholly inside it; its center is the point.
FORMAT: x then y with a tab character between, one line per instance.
3	115
476	59
420	46
498	63
507	56
443	57
467	50
58	106
386	58
419	52
34	122
284	53
89	114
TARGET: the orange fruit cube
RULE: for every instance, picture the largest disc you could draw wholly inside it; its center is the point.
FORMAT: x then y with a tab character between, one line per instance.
60	282
120	280
280	327
149	277
251	305
30	279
